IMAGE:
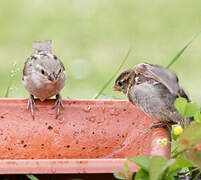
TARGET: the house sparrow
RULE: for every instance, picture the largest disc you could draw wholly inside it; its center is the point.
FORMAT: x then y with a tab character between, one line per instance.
43	75
153	89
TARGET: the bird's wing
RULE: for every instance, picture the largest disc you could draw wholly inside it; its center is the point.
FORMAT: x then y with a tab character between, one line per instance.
27	66
156	101
160	74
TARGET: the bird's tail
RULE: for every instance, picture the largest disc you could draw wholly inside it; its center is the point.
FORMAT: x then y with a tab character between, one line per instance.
42	45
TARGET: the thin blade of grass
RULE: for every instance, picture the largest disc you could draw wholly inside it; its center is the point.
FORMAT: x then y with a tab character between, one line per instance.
182	51
32	177
12	75
113	76
8	89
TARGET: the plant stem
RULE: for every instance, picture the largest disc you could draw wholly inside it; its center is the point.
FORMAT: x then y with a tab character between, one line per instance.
195	169
196	177
185	123
178	153
8	87
113	76
31	177
182	50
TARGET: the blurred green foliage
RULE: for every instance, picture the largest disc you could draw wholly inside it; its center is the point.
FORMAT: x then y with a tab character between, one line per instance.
92	37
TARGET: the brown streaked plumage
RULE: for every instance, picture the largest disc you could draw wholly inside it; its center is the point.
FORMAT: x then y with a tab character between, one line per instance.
153	89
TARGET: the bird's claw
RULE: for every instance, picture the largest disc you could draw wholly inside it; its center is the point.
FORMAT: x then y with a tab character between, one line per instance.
153	125
31	104
59	104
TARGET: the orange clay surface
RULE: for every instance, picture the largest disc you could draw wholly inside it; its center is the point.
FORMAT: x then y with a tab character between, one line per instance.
89	136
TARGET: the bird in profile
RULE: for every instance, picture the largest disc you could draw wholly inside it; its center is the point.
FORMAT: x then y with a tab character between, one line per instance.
43	75
154	90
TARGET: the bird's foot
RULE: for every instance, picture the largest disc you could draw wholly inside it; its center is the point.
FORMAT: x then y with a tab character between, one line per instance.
59	104
154	125
31	104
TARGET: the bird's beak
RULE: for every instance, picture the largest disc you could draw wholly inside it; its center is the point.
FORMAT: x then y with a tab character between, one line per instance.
116	88
52	77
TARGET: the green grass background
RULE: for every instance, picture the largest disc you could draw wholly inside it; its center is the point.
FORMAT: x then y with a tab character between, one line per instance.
92	37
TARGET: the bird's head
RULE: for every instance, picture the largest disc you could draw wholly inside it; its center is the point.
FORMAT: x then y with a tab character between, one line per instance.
48	69
125	80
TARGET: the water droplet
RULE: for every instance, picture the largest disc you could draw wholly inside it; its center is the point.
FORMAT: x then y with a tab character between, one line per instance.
114	112
92	118
56	131
87	109
61	120
14	63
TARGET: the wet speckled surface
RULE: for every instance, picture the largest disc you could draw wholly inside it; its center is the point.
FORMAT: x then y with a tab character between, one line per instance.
85	130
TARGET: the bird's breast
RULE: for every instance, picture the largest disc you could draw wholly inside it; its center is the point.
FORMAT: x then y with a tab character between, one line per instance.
43	89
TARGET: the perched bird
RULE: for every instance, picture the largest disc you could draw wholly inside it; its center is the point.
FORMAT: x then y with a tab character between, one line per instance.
153	89
43	75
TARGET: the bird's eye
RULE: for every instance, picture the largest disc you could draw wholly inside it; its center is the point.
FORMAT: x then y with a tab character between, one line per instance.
120	83
42	71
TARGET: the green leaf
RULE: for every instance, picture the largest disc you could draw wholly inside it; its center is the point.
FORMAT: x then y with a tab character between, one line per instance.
195	156
180	105
197	117
169	178
191	110
141	161
185	108
182	51
113	76
198	155
174	146
126	168
119	174
157	166
190	136
142	175
180	163
32	177
172	175
123	175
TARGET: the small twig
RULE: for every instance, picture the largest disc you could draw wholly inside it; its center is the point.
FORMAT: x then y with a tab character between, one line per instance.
195	169
180	152
196	177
